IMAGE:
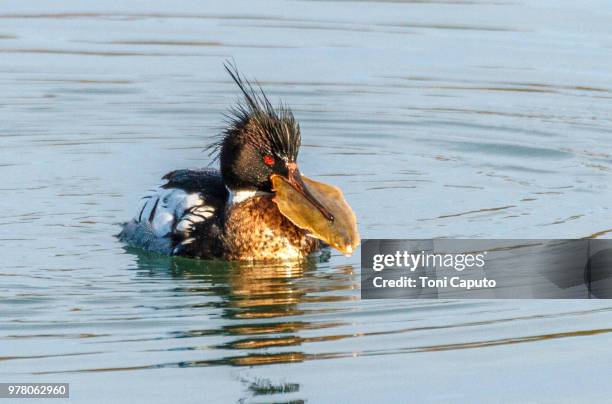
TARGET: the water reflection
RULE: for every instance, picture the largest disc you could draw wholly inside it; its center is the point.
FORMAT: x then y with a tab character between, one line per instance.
262	300
269	313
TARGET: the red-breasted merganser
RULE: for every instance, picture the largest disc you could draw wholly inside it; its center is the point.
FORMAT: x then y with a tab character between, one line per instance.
258	207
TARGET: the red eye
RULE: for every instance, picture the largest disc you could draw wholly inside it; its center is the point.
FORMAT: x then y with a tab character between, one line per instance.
268	160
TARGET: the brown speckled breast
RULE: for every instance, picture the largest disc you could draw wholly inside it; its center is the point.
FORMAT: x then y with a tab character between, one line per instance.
256	230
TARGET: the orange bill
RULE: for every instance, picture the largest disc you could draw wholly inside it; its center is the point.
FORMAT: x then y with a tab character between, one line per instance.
320	209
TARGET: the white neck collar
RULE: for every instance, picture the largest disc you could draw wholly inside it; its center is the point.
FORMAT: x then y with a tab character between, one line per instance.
240	195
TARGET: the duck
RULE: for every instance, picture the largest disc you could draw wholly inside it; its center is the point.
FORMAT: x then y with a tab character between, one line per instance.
257	206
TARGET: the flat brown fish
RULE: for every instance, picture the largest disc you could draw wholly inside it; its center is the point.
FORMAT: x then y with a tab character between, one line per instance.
340	233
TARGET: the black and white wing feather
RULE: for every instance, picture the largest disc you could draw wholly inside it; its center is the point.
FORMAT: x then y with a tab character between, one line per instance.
182	217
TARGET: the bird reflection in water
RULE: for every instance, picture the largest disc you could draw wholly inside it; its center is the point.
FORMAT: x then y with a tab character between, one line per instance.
263	303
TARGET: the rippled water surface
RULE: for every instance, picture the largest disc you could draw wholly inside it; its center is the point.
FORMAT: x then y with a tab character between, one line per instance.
486	119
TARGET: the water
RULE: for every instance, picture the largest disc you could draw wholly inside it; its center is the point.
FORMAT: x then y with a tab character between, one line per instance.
485	119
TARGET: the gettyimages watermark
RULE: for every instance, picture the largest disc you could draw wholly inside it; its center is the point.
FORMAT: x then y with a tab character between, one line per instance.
485	269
